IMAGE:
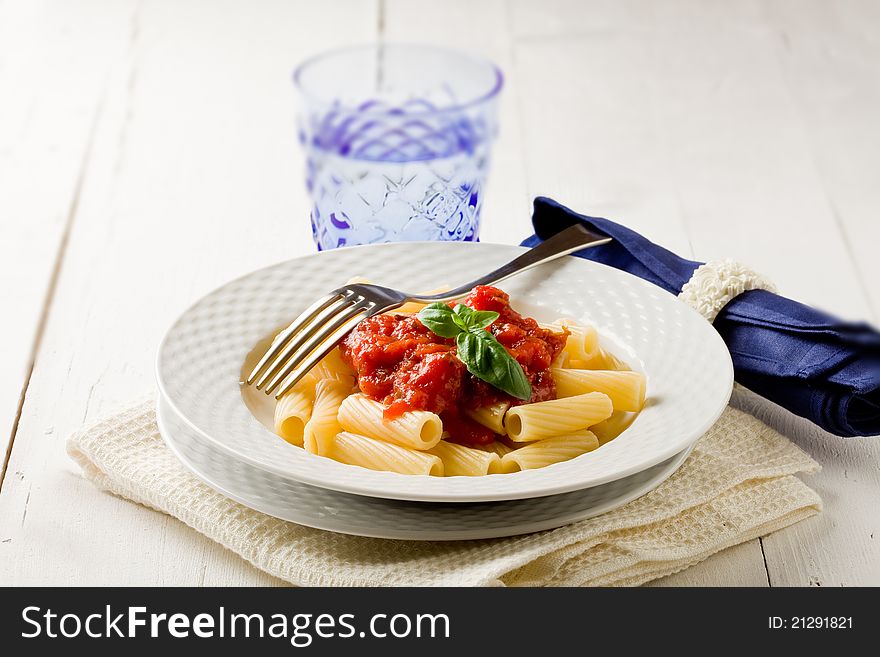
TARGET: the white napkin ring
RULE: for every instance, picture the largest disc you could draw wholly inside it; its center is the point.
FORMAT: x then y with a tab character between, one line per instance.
714	284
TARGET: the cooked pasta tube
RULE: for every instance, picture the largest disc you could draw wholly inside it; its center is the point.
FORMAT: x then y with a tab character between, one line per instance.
556	417
614	363
459	460
366	452
548	451
323	425
415	429
497	447
490	416
583	340
562	359
626	389
332	366
612	427
294	409
601	360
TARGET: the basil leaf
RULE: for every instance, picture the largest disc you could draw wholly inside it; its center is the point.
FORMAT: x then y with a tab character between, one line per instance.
473	353
481	319
507	373
440	319
462	316
462	310
460	320
482	354
489	361
474	319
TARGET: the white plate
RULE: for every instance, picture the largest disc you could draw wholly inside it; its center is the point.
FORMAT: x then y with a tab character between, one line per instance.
690	375
359	515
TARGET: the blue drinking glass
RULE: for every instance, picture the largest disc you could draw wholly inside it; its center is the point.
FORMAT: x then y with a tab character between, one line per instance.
397	141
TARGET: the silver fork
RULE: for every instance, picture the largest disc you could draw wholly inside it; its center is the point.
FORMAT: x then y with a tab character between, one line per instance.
321	326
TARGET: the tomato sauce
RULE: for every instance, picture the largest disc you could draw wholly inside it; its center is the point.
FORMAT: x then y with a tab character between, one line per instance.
406	366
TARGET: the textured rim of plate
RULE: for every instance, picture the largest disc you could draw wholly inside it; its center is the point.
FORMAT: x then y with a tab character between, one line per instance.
558	478
390	510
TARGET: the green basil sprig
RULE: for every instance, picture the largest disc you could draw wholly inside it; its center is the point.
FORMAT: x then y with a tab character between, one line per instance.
482	354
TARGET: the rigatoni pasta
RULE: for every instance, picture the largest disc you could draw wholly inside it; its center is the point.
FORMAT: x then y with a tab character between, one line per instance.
415	429
459	460
332	366
548	451
609	429
498	447
601	360
376	454
294	409
556	417
398	395
491	417
323	425
626	389
582	342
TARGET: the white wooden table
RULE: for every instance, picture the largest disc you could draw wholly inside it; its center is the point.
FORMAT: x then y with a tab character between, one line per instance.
148	154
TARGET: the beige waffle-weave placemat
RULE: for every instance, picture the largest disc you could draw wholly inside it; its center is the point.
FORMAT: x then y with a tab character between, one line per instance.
737	484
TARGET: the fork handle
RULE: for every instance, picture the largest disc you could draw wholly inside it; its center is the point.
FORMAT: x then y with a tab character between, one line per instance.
567	241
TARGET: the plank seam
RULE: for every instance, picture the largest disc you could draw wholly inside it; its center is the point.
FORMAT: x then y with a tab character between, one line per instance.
836	217
847	244
518	104
764	559
53	284
381	20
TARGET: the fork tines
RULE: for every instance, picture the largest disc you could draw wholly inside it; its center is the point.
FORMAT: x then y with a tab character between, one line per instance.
308	339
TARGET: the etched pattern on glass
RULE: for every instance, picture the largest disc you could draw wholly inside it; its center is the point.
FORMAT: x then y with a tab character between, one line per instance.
386	173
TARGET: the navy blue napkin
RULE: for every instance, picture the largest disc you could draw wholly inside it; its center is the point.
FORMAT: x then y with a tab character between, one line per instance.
813	364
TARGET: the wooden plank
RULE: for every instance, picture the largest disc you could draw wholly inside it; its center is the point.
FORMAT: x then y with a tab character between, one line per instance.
740	565
590	139
195	178
742	168
51	81
591	18
833	76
